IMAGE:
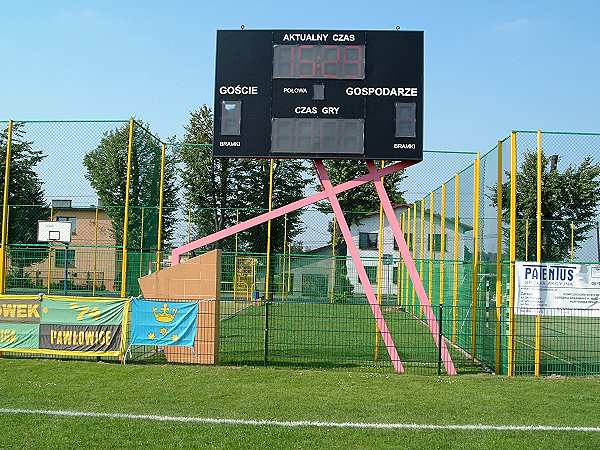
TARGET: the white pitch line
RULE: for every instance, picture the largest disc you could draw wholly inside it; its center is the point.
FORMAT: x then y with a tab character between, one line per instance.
301	423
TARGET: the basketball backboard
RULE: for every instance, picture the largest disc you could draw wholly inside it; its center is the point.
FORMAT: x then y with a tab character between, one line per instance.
49	231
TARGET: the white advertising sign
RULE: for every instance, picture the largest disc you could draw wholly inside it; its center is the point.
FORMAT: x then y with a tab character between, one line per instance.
557	289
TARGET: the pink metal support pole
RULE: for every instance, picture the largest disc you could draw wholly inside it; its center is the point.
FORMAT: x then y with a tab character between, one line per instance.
362	274
412	270
206	240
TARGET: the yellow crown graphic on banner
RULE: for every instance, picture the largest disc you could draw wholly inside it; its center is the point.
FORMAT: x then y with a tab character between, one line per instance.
164	316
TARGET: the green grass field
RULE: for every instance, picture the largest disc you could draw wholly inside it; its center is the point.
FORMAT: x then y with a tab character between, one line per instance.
285	394
326	335
569	344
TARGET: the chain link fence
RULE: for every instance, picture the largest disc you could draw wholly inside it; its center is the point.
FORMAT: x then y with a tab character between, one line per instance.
79	172
119	185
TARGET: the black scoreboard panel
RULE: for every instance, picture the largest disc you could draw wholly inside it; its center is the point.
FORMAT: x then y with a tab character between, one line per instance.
319	94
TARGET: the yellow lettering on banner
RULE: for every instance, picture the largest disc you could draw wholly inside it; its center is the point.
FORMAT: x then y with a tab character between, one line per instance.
67	337
22	311
32	310
89	338
108	337
52	336
8	336
9	310
81	339
82	313
59	337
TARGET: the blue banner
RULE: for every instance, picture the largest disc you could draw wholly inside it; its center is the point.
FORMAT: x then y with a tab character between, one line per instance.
164	323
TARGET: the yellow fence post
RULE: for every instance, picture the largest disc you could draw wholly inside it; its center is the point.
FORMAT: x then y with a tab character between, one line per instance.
572	240
442	245
94	280
455	256
538	317
499	261
189	224
126	218
415	253
4	237
513	253
409	243
400	266
526	239
282	261
268	268
379	268
141	243
431	218
289	267
163	157
475	280
235	257
422	248
333	257
49	276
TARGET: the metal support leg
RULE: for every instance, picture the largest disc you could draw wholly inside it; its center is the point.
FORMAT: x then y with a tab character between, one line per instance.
278	212
362	274
412	270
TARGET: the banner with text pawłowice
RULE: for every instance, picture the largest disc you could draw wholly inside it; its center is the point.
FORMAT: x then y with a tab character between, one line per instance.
62	325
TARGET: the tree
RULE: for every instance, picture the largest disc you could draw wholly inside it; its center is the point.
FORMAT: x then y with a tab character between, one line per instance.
107	173
25	196
216	190
209	184
289	181
571	196
26	193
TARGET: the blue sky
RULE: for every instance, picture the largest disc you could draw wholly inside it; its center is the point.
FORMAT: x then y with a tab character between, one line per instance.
490	66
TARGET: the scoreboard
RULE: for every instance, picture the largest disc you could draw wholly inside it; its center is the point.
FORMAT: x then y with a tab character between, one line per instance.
319	94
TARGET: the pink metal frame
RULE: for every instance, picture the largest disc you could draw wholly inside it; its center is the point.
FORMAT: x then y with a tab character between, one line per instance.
330	192
362	273
278	212
411	268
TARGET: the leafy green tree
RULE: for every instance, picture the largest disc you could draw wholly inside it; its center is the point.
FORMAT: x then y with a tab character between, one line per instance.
26	193
570	196
217	190
289	181
107	173
209	184
25	197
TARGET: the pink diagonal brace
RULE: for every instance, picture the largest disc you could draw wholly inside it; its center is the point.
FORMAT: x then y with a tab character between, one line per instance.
410	266
278	212
362	274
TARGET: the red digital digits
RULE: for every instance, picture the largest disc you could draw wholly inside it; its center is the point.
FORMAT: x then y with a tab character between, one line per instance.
349	62
330	62
324	61
304	62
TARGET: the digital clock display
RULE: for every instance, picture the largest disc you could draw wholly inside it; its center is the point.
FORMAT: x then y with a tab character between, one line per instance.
318	136
341	62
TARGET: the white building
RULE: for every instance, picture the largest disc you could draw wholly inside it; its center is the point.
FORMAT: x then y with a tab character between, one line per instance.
313	277
366	235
